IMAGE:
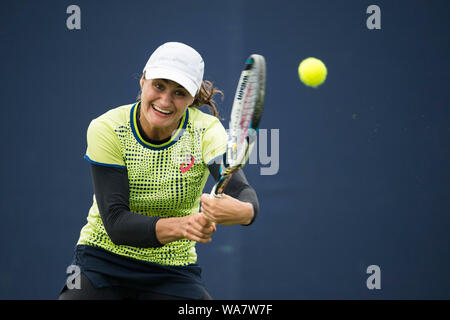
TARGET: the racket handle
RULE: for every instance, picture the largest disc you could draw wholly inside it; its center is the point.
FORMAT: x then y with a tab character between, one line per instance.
213	193
220	185
209	221
214	196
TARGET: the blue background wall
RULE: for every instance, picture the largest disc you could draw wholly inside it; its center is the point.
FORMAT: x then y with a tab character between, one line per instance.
364	174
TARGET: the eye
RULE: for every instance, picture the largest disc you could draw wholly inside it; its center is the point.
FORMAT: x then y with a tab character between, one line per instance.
180	93
158	86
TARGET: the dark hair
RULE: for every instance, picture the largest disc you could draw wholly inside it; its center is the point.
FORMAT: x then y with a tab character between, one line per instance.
204	97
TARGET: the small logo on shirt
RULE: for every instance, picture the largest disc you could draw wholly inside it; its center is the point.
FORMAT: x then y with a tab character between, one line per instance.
185	166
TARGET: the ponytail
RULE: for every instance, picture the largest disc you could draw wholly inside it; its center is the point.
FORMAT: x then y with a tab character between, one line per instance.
205	97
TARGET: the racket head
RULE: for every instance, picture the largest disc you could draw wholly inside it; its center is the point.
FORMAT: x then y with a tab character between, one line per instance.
246	112
244	120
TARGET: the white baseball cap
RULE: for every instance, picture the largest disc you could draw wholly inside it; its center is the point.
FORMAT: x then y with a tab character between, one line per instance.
177	62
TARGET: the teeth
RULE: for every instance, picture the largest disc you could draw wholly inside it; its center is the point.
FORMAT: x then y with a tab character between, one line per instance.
160	110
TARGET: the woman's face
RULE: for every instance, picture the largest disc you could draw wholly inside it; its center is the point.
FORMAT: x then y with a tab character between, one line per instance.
163	104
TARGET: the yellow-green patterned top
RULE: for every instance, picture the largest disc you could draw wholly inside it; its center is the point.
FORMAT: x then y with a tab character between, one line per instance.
164	180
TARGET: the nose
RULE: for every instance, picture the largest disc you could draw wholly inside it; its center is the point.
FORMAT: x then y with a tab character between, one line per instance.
165	98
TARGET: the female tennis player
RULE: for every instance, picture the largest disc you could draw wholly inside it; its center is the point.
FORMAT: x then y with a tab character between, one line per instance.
149	164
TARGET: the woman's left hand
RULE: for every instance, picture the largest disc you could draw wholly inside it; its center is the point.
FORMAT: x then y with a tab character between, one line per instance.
226	210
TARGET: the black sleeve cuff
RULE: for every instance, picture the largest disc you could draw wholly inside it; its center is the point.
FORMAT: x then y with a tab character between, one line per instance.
248	194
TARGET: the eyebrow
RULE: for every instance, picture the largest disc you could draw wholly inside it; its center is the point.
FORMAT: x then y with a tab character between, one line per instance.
167	81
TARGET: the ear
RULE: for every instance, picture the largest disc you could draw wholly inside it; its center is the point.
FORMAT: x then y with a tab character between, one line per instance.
141	82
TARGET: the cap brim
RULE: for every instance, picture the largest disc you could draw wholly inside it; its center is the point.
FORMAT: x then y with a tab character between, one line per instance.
177	76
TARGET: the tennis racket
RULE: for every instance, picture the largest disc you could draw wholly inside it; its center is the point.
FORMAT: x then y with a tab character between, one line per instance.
244	120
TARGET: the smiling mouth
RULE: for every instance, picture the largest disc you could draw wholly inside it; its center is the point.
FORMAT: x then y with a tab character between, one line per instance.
164	112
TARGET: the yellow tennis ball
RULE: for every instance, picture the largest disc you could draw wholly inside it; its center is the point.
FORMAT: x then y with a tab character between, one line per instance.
312	72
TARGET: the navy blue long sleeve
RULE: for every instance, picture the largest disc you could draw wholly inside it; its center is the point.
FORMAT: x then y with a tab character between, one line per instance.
123	226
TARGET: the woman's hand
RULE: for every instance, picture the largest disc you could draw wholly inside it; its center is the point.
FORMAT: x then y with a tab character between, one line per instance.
198	228
194	227
226	210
